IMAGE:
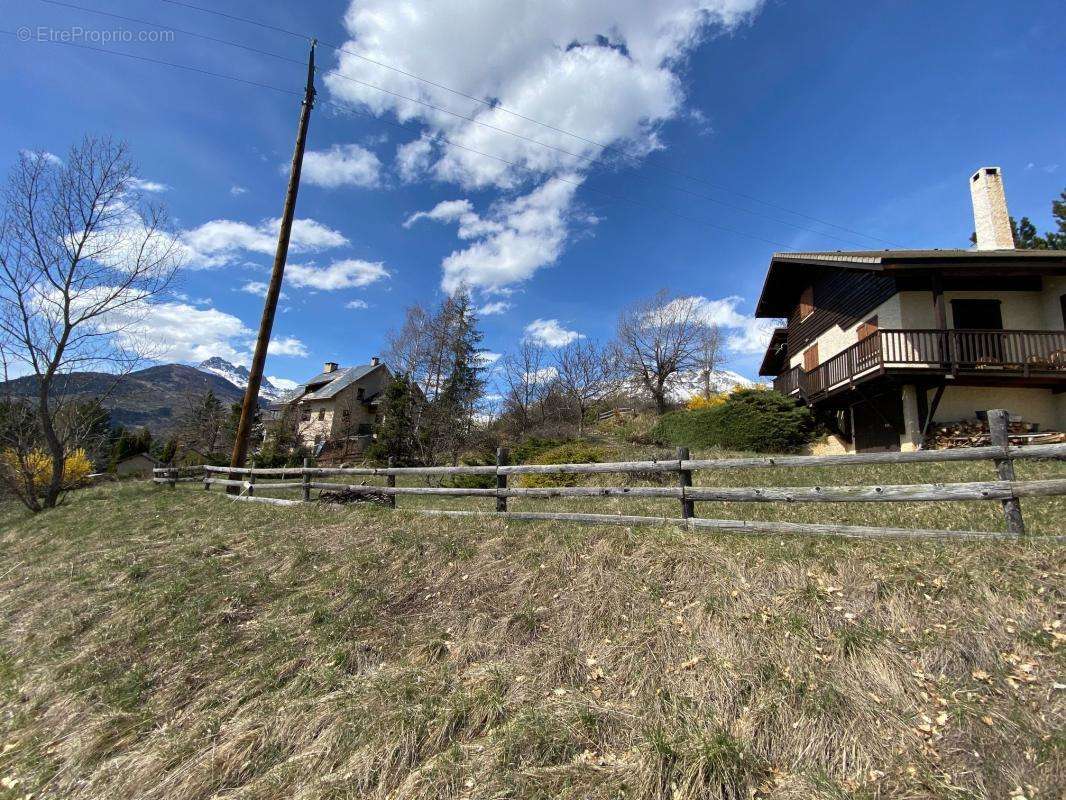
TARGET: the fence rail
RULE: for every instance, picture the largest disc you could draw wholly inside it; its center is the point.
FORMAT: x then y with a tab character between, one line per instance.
1004	489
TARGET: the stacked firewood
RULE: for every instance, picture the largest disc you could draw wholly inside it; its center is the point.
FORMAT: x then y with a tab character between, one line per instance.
974	433
345	496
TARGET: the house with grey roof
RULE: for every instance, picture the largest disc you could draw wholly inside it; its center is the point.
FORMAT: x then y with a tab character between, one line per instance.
883	345
340	405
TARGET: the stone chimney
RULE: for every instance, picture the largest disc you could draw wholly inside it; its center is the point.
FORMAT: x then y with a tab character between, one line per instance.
990	217
330	366
374	361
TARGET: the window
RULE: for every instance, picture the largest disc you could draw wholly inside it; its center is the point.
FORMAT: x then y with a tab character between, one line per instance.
806	304
345	414
810	358
868	328
363	429
360	392
305	416
321	413
981	315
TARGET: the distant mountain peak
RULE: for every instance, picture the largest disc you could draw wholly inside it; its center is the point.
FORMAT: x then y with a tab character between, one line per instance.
238	375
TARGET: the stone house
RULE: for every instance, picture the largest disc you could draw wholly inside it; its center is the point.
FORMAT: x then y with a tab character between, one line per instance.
340	405
885	344
139	465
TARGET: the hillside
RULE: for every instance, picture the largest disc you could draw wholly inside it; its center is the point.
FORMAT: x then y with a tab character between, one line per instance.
154	397
160	643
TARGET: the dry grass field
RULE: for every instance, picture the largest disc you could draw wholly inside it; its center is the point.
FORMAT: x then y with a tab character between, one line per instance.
174	644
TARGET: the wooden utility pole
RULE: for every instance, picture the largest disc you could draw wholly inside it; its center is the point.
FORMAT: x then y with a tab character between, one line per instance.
266	324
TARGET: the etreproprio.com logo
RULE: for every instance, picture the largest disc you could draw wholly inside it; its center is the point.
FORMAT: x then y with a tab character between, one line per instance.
78	34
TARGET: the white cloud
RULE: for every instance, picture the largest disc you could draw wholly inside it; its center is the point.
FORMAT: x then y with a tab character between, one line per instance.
182	332
287	346
44	155
351	273
222	241
259	289
341	165
540	62
284	384
356	304
237	190
743	333
517	238
413	159
148	186
549	332
488	357
495	307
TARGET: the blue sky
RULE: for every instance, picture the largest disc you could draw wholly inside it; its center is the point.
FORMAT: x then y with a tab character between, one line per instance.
869	116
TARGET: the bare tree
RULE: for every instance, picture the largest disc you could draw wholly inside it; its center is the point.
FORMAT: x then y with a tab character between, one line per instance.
81	256
709	356
658	339
586	373
526	377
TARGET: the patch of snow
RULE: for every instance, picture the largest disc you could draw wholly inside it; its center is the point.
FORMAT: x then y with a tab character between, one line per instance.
238	376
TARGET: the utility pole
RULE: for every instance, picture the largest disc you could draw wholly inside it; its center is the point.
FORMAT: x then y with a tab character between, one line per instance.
255	374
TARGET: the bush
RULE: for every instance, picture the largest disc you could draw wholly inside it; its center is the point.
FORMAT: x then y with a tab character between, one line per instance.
569	453
76	468
748	419
473	481
699	402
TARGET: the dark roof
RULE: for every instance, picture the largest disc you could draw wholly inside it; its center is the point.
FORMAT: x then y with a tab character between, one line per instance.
773	362
334	382
786	276
148	456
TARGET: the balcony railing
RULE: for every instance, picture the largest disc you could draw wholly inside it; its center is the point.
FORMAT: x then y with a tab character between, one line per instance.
997	352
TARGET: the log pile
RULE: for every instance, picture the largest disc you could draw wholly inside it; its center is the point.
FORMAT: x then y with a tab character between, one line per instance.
974	433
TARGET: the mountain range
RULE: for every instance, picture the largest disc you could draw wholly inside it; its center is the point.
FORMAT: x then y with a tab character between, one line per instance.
238	376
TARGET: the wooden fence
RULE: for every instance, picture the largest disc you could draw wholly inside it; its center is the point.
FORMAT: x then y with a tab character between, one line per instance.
1005	489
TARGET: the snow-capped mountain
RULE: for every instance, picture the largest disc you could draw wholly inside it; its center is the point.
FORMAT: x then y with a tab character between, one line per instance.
238	376
690	384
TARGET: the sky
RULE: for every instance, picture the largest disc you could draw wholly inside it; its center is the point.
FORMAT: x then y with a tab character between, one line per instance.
595	153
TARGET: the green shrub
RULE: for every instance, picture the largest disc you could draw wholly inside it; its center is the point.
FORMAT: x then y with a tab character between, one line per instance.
473	481
749	419
528	451
568	453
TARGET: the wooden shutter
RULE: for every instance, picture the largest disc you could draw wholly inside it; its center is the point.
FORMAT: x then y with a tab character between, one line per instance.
806	303
810	358
868	328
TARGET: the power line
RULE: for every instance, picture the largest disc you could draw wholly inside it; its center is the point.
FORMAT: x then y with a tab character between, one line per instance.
468	118
498	107
436	138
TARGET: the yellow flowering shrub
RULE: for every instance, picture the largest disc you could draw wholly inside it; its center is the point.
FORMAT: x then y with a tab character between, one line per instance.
699	402
76	467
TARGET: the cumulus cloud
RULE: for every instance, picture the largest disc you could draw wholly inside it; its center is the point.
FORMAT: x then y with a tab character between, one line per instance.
356	304
511	243
351	273
549	332
236	190
341	165
743	333
540	64
222	241
287	346
182	332
143	185
495	307
44	155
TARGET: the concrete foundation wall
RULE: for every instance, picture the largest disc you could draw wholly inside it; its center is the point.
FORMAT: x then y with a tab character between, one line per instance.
1032	405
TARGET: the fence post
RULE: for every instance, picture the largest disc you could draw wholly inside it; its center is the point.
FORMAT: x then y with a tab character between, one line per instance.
390	481
501	480
998	421
307	482
684	480
251	483
207	477
173	477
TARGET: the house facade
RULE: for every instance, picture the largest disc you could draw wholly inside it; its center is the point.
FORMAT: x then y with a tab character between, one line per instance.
883	345
340	405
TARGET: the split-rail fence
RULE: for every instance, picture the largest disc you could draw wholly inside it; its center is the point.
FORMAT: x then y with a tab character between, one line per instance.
250	482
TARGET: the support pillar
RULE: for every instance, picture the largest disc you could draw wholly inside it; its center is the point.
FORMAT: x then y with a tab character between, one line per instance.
911	439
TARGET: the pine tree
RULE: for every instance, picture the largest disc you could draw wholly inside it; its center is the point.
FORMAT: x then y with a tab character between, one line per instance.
395	435
464	385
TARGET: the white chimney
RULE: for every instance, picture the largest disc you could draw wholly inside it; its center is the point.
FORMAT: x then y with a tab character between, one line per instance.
990	217
330	366
374	361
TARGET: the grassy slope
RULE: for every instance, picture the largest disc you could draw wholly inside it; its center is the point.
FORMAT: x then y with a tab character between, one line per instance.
163	644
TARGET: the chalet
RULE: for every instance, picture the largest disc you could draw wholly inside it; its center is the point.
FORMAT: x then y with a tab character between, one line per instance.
340	404
139	465
885	344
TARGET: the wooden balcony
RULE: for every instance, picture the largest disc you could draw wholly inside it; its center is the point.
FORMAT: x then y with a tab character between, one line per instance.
977	355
